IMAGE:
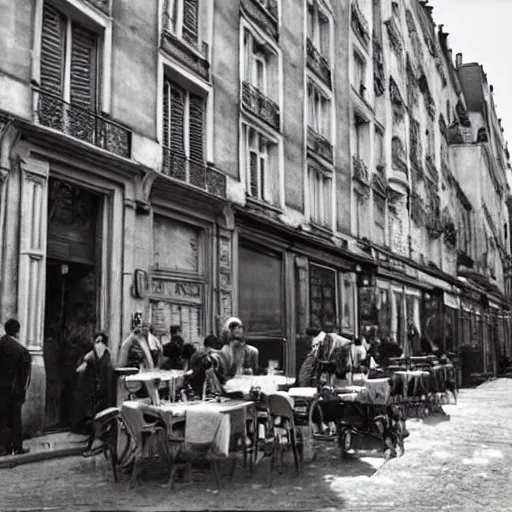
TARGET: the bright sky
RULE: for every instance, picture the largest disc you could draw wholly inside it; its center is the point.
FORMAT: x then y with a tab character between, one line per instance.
481	31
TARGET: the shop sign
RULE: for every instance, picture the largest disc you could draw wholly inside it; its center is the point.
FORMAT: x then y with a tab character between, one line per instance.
452	301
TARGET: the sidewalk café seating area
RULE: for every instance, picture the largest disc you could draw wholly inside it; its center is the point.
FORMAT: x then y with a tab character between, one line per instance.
261	418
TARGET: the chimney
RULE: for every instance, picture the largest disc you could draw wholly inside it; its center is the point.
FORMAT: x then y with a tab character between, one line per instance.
450	56
458	60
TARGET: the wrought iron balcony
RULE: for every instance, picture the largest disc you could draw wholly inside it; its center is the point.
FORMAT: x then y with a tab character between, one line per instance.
102	5
264	13
319	145
83	124
205	177
318	63
259	105
192	54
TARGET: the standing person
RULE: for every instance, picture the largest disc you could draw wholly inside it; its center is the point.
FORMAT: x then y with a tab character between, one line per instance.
243	357
15	372
155	347
95	383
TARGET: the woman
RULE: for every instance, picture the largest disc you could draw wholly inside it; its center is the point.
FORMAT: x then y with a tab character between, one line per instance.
135	351
94	387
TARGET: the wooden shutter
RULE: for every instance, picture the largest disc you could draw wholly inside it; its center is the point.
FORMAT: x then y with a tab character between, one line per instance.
83	67
165	115
52	50
177	140
190	22
196	128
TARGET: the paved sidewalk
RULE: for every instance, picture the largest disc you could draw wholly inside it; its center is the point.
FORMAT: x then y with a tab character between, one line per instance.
50	446
459	464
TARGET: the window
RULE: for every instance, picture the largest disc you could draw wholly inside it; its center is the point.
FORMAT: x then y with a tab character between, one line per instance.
379	219
318	28
183	126
259	65
466	234
347	317
70	62
431	148
260	285
361	129
322	298
380	158
183	19
319	111
180	249
362	216
359	72
260	164
320	196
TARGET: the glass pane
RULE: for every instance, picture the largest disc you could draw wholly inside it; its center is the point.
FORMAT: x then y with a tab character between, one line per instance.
348	304
176	244
263	170
260	75
253	169
260	291
322	283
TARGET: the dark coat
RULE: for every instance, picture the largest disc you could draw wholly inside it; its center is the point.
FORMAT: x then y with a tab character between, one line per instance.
15	370
94	389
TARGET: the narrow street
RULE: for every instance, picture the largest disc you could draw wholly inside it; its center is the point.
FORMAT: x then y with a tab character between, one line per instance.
462	464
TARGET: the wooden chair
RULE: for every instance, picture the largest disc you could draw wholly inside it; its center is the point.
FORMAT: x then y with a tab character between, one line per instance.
149	436
285	432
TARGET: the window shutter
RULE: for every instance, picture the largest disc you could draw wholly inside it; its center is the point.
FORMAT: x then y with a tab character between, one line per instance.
196	128
177	144
165	115
83	67
52	50
190	22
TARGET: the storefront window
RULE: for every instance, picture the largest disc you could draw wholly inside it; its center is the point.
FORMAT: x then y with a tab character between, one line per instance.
322	298
450	329
397	317
383	312
260	291
348	303
432	311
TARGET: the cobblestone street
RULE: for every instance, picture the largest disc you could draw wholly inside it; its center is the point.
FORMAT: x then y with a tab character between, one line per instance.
461	464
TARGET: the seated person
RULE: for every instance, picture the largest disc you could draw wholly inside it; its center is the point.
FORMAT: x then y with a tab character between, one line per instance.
211	343
172	350
242	358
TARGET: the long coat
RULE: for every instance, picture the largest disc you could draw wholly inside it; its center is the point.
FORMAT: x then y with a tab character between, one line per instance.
15	370
94	389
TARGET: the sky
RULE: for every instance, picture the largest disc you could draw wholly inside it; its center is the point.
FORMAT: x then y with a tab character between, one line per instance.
482	31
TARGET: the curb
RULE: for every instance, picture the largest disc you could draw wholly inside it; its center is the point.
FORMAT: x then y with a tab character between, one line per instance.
10	462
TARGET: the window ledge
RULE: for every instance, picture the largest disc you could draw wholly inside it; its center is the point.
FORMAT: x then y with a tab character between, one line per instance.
252	201
321	229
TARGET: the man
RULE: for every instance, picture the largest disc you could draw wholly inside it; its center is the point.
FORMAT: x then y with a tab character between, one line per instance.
15	371
172	350
243	357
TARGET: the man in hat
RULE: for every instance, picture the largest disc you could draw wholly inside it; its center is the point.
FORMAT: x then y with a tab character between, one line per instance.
243	357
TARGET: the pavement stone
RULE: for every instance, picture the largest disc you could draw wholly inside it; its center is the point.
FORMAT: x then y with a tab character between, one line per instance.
456	464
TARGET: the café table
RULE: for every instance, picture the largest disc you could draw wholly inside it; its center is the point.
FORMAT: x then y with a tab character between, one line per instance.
154	378
267	383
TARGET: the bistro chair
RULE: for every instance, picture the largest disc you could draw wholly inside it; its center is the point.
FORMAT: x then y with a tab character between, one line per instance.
149	436
285	433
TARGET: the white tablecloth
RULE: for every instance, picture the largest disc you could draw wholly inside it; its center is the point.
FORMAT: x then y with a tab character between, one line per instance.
267	383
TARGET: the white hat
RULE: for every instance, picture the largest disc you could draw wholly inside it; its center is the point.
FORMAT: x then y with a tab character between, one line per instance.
229	321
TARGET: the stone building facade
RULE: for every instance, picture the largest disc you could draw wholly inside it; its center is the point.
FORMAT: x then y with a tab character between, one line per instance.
298	163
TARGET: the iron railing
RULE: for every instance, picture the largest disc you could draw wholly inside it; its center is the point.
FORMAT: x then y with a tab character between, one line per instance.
318	63
261	106
206	177
319	144
81	123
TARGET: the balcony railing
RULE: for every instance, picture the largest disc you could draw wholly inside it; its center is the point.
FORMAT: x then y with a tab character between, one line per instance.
319	145
264	13
205	177
83	124
318	63
259	105
192	54
102	5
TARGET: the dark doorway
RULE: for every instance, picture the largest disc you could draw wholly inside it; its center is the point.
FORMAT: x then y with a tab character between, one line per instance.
72	277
